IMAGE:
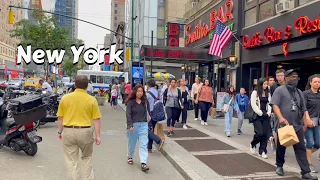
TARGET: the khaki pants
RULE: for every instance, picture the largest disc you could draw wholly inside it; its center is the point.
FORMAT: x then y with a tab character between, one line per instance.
75	140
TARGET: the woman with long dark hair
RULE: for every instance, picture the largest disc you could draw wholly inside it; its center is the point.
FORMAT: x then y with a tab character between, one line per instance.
312	135
228	104
260	99
172	99
205	101
184	94
137	126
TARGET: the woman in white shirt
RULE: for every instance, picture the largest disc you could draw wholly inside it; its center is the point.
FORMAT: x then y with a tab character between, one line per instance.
260	99
194	92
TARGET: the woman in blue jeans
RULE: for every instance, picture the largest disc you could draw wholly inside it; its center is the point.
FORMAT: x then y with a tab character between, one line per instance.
137	126
229	100
312	135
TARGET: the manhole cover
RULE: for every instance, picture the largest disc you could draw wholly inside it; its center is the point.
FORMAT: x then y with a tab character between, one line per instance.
187	133
204	145
235	164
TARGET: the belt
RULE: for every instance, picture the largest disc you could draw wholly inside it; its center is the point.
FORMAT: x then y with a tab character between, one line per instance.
77	127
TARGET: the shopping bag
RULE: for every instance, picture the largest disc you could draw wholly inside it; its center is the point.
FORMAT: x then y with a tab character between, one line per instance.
287	136
158	130
212	112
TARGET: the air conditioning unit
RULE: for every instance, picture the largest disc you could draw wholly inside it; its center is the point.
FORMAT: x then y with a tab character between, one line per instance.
193	4
283	6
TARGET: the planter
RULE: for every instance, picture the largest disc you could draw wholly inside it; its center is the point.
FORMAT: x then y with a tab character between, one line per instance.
101	100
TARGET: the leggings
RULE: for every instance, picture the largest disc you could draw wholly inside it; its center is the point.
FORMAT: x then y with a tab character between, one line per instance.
204	107
184	112
172	115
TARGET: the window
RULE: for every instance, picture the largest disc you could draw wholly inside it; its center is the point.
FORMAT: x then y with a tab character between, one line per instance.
161	13
250	17
160	32
107	80
116	5
161	42
301	2
116	11
250	4
266	10
181	33
115	25
115	18
100	79
93	78
161	22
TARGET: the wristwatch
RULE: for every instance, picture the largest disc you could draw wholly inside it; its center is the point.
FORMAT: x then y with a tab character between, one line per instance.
59	133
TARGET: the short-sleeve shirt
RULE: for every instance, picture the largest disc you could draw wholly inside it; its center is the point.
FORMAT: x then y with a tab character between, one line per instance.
282	98
312	103
78	109
173	95
46	86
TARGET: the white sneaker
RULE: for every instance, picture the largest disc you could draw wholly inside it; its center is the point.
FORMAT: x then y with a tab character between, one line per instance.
196	119
185	126
252	149
264	156
202	123
205	123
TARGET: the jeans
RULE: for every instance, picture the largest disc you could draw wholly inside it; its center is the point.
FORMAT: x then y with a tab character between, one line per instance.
299	150
172	115
184	112
261	133
312	138
240	119
228	120
204	107
152	137
140	133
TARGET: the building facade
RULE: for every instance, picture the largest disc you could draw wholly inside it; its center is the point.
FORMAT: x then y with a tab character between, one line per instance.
72	10
8	45
61	8
117	13
276	38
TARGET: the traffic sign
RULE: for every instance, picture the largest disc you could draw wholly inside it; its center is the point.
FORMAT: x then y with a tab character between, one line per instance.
136	45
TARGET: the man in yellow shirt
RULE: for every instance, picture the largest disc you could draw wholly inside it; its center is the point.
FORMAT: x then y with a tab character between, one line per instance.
76	113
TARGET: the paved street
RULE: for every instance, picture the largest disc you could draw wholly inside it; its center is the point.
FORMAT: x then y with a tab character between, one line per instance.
109	158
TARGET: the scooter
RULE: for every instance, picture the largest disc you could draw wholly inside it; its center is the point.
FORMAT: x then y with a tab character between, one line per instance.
18	137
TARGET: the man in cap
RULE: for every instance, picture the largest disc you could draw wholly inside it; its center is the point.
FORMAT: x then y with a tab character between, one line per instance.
289	106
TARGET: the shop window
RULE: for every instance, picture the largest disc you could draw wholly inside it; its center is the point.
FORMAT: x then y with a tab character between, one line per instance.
250	17
301	2
266	10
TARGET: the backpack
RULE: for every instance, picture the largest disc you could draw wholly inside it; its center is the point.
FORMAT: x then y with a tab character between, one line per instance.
158	113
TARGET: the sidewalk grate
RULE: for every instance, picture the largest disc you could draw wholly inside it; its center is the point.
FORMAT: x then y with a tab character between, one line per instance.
235	164
204	145
187	133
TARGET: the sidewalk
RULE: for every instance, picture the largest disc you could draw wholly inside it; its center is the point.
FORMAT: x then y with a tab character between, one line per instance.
204	152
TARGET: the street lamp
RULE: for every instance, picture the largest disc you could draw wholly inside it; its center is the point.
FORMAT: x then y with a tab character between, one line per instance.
183	67
233	59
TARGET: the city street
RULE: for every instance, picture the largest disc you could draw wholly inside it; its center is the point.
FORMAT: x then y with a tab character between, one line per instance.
110	161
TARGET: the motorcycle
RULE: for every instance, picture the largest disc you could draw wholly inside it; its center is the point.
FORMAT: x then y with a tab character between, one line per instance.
19	134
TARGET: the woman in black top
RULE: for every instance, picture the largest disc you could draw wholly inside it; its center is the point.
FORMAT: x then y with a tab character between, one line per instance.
137	126
184	96
312	135
260	99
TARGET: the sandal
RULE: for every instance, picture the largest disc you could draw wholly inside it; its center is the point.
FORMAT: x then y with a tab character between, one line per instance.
130	161
144	167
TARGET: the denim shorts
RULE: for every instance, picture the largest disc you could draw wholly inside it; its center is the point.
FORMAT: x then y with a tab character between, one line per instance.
312	136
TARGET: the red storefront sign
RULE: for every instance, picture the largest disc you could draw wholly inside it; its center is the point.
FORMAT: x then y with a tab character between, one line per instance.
202	29
303	25
172	54
173	34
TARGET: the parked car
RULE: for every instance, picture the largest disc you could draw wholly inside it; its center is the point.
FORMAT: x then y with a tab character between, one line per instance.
15	84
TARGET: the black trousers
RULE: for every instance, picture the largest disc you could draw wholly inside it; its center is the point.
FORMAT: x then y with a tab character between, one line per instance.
196	107
204	107
172	115
299	151
184	112
261	133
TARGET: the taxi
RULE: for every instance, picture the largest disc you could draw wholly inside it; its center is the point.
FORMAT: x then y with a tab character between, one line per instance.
32	82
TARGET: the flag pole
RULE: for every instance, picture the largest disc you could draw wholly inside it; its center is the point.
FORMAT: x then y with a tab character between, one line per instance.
237	39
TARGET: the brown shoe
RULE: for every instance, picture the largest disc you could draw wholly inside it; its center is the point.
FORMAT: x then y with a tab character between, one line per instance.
149	150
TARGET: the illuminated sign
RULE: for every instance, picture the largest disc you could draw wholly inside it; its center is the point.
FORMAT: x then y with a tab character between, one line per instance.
285	49
173	34
202	29
270	35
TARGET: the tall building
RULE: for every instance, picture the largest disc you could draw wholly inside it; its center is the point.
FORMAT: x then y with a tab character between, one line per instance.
8	45
61	8
107	40
117	13
72	10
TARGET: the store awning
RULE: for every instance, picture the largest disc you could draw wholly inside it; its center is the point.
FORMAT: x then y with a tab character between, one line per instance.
175	54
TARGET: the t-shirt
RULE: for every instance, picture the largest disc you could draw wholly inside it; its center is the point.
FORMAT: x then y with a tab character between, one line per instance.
282	98
47	87
172	95
128	88
312	103
114	93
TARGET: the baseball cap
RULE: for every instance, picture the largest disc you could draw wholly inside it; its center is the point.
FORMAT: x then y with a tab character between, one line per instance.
291	71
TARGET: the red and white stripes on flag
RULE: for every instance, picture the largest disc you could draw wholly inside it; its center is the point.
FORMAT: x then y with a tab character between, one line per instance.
220	39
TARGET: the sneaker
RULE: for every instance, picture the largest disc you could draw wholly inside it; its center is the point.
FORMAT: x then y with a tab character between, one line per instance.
228	134
239	132
202	123
264	156
196	119
185	126
252	149
169	134
309	177
313	170
149	150
205	123
144	167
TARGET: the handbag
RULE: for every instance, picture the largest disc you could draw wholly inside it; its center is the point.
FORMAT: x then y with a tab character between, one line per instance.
227	106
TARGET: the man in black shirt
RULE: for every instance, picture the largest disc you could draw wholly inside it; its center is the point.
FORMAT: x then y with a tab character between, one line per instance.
289	106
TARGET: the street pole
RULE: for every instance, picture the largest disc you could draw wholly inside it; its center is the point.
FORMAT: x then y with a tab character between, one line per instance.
132	40
151	57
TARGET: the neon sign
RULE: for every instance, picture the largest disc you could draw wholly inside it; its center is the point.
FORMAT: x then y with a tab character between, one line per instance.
173	34
172	54
285	49
270	35
202	29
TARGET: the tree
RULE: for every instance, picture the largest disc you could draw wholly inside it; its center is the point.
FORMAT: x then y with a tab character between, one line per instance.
47	35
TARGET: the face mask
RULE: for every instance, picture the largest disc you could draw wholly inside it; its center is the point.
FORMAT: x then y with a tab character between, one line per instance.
293	83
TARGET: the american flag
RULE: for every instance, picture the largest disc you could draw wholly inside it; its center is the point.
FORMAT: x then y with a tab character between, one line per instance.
220	39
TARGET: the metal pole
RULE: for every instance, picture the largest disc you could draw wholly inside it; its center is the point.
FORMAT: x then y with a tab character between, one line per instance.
151	57
132	40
